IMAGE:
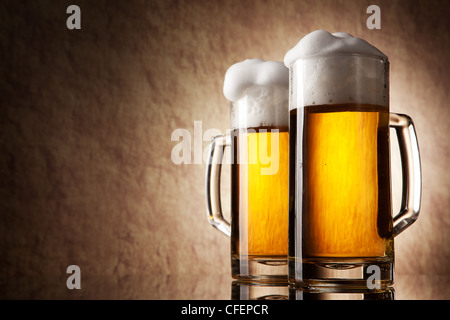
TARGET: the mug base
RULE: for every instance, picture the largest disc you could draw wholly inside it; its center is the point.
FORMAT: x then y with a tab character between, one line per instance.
366	273
260	269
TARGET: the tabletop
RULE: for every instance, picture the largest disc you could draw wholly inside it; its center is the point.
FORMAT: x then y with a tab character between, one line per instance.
210	287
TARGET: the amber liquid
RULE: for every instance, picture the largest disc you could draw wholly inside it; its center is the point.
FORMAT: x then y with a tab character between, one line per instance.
260	179
343	171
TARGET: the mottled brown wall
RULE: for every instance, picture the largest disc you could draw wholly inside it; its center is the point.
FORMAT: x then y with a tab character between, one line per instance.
86	119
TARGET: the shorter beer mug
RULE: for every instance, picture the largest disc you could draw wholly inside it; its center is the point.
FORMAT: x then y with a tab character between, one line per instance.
341	230
259	140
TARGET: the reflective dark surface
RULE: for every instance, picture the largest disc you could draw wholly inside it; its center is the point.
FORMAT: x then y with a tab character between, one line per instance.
212	287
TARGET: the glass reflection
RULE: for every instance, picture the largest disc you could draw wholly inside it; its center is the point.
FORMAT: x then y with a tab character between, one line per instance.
282	291
337	293
259	291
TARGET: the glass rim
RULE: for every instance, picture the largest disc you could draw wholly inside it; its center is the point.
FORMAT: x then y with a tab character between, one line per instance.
338	54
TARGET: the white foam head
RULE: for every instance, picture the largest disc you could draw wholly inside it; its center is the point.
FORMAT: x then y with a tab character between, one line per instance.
339	68
259	94
321	43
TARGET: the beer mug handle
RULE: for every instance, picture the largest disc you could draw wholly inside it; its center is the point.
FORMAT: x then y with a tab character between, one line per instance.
411	171
213	169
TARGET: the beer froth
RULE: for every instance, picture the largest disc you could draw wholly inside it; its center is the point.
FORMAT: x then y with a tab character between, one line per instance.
325	64
259	91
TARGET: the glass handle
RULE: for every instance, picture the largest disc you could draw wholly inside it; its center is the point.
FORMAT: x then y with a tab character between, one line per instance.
213	169
411	171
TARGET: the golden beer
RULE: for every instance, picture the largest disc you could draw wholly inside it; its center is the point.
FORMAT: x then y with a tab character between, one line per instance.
346	207
259	186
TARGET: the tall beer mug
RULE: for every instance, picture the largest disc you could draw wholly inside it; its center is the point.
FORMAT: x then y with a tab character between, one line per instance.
341	230
259	142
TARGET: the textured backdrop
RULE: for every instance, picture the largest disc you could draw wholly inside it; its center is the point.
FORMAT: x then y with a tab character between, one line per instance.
86	119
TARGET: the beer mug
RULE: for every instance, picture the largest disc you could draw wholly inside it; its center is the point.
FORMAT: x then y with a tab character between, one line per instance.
341	230
258	141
